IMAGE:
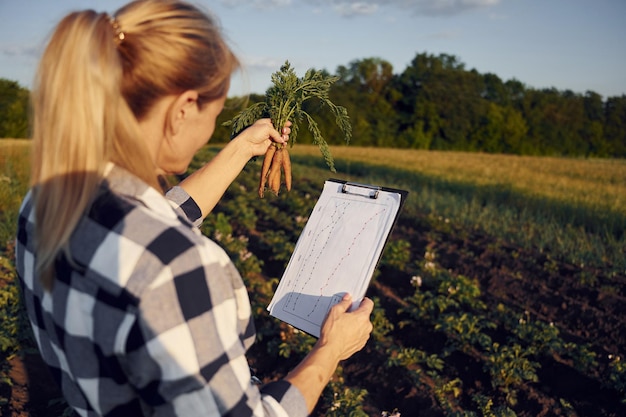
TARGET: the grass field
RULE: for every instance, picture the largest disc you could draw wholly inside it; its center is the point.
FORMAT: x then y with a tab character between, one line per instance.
594	183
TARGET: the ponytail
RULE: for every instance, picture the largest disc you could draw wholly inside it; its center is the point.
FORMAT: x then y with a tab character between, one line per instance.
80	121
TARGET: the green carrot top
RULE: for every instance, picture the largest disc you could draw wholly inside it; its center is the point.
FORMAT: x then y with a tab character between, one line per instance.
283	102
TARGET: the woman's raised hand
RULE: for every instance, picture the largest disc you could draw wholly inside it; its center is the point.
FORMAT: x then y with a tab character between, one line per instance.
261	134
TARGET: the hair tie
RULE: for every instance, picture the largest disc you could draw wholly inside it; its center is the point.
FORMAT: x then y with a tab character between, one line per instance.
119	34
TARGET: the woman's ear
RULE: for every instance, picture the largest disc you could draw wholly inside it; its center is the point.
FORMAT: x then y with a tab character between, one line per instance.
184	106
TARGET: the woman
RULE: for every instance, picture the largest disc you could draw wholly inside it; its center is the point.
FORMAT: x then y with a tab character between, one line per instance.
135	312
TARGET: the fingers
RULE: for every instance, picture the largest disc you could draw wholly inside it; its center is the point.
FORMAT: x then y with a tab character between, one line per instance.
284	133
365	309
260	135
366	306
360	316
286	130
363	312
275	135
345	303
347	330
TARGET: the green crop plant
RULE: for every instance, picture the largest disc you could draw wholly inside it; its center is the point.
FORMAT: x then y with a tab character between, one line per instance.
341	400
382	327
419	366
15	332
279	243
583	357
447	393
397	254
510	367
544	339
9	317
466	330
294	342
347	402
617	375
220	229
487	408
441	292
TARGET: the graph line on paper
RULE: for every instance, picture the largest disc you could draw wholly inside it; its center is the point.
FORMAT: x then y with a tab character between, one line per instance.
349	252
316	249
334	239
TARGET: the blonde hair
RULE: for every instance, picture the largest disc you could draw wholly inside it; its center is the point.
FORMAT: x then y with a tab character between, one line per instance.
97	78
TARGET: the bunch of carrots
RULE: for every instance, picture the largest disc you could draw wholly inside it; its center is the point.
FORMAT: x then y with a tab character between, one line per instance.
283	102
276	159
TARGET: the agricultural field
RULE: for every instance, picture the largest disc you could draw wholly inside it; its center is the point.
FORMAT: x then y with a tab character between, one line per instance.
502	291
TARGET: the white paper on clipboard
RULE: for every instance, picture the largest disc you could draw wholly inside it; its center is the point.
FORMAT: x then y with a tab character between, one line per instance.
336	253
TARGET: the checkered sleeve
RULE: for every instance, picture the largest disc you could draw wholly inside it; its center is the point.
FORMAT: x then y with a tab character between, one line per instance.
185	205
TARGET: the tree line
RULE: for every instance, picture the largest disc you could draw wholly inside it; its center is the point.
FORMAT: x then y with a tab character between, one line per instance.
14	109
437	104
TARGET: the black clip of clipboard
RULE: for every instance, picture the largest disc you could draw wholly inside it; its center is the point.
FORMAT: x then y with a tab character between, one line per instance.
373	189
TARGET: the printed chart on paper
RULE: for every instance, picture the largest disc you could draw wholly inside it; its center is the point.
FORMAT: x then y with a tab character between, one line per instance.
336	253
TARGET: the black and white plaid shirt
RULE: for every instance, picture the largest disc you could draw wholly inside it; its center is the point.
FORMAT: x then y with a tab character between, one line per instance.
149	317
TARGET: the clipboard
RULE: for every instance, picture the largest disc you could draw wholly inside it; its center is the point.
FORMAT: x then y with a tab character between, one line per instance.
337	252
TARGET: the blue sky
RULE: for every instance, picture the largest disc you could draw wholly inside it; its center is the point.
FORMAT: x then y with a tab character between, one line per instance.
576	45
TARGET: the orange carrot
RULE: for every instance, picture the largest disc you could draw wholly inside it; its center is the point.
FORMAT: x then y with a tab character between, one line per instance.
286	162
273	178
269	154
